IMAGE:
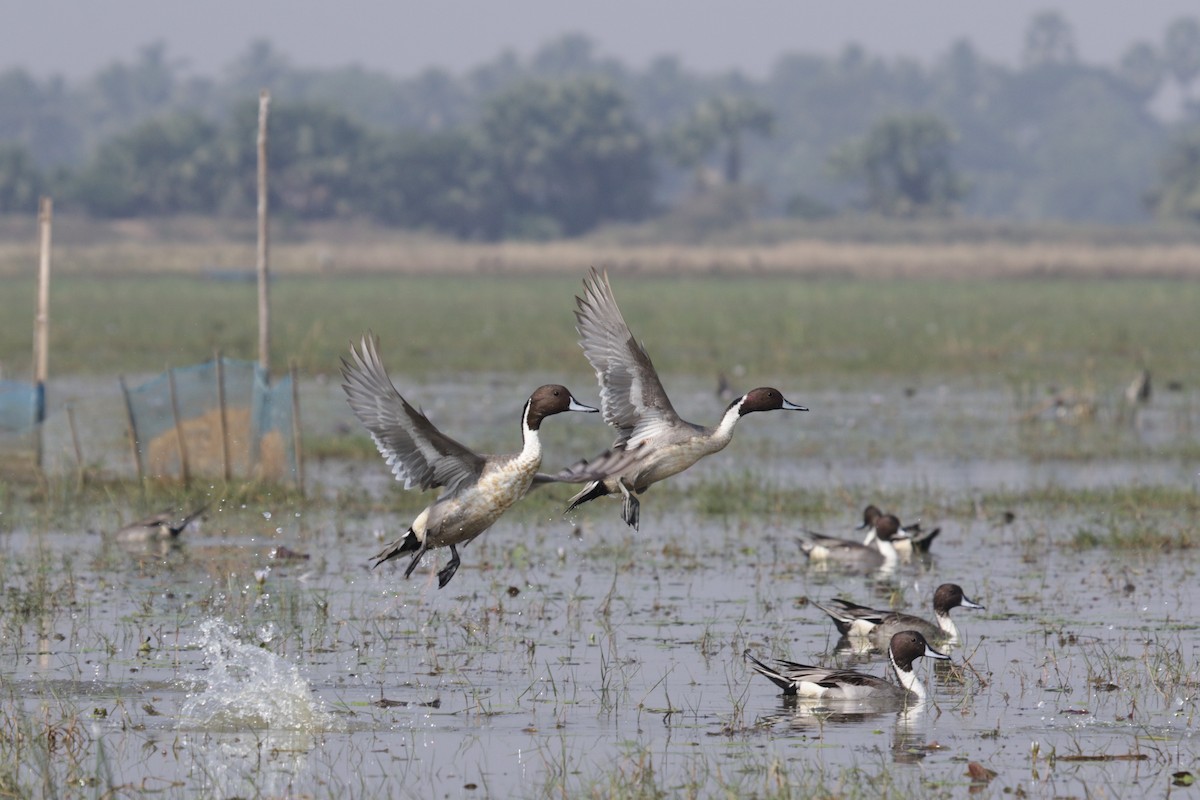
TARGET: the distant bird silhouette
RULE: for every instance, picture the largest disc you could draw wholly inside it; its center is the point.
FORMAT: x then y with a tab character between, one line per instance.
1138	391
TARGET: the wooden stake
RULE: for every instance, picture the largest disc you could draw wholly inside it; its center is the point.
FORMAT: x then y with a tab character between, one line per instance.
133	442
41	326
41	321
183	459
296	444
264	308
75	444
224	421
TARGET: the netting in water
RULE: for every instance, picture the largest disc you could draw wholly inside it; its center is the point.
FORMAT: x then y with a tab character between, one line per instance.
248	435
21	405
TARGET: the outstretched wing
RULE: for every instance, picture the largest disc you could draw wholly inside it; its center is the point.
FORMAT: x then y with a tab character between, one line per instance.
632	398
419	454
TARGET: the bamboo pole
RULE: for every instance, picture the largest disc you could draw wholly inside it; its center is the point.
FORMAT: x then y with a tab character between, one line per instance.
133	442
296	442
41	321
264	307
183	458
225	471
41	325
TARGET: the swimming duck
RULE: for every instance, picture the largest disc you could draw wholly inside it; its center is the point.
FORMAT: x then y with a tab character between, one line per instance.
477	489
878	625
634	402
157	527
915	540
801	680
878	552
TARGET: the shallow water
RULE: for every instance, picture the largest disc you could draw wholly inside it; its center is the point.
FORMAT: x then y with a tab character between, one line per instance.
594	660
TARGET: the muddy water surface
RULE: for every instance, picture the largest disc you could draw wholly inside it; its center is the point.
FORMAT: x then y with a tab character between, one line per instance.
575	656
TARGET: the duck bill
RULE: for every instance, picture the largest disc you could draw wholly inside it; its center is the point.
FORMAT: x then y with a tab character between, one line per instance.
790	406
575	405
968	603
935	654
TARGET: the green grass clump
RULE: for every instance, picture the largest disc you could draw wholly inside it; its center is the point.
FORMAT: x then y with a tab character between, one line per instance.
746	494
1141	534
1125	501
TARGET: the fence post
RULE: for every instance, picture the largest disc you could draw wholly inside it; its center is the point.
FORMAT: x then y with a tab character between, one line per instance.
183	459
264	306
133	441
296	444
41	324
224	422
75	443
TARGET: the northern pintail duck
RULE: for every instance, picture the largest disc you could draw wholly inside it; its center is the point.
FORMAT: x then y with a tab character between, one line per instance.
879	625
634	402
158	527
802	680
878	552
477	489
915	539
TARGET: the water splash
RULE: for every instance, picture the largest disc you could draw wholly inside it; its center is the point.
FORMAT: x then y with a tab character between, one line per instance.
249	688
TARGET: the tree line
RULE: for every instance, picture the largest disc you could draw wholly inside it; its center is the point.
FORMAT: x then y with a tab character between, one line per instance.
565	140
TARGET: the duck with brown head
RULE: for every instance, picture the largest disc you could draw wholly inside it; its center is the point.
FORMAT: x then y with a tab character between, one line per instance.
476	489
804	681
916	539
878	552
634	402
878	625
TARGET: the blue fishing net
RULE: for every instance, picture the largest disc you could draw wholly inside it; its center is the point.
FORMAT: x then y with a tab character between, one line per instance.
251	438
22	406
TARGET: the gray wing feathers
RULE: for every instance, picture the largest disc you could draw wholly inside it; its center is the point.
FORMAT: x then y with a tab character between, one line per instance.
610	462
631	395
419	454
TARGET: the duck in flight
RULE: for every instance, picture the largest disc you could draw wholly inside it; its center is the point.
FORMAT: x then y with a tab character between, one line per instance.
633	401
476	489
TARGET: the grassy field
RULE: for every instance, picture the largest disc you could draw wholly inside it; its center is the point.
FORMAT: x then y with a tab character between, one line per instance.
832	331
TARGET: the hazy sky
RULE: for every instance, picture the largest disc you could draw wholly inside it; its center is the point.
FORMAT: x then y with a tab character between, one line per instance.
74	37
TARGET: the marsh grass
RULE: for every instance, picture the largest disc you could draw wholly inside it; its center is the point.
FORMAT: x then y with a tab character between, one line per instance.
746	494
1124	500
785	330
1165	534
